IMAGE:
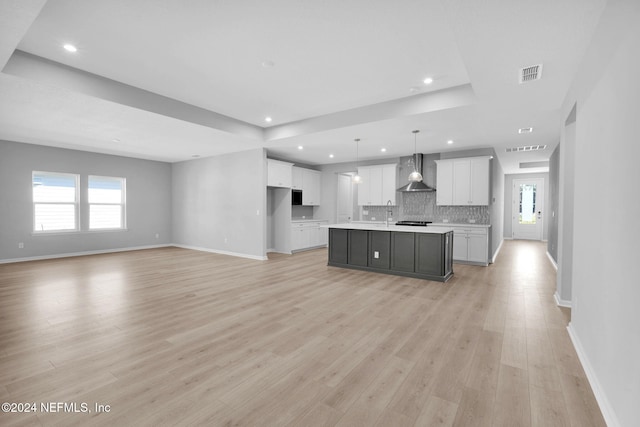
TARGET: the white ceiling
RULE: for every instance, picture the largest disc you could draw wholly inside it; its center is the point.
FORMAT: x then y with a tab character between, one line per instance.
169	80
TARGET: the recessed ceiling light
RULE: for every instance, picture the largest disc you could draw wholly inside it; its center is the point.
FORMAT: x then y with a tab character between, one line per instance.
268	63
70	48
300	147
331	156
525	130
115	140
450	141
414	89
268	119
384	150
428	81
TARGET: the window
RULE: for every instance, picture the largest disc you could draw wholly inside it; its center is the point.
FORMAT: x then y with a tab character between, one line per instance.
106	202
55	201
527	204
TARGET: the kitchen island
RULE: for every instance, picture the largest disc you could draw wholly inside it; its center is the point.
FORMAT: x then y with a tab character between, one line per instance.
421	252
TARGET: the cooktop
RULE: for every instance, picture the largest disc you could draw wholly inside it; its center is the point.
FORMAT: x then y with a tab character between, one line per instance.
414	223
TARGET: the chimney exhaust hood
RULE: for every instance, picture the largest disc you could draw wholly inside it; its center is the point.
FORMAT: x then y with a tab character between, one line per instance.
413	186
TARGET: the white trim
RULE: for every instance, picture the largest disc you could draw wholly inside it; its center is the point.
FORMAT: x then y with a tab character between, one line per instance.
493	259
606	408
274	251
72	254
561	302
553	262
216	251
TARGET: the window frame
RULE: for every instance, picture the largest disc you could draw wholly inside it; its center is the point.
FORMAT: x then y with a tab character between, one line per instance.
75	203
122	204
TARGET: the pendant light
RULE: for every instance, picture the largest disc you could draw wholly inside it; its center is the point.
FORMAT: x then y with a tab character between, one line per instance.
415	176
357	179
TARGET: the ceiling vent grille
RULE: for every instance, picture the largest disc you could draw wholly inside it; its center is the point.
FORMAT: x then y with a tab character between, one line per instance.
526	148
530	73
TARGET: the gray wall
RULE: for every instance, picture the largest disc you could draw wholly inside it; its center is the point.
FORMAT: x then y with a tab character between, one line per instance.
496	209
148	201
566	202
554	202
508	208
219	204
605	320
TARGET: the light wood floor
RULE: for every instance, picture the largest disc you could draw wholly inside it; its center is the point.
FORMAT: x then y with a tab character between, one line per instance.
178	337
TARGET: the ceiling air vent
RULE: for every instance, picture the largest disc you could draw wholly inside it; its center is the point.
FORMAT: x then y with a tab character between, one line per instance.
526	148
528	74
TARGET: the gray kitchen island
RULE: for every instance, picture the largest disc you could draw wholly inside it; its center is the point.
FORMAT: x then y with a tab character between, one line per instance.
421	252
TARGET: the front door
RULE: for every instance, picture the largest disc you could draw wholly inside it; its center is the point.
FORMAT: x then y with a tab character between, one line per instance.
527	208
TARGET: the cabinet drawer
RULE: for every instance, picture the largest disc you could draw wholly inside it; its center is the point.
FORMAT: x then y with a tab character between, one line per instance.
481	231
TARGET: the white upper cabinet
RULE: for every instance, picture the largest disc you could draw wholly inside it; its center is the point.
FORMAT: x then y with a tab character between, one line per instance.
444	174
279	173
297	178
311	187
378	185
309	181
389	183
463	181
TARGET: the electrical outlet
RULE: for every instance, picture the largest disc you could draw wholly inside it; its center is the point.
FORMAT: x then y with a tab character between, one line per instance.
365	212
373	218
21	245
376	254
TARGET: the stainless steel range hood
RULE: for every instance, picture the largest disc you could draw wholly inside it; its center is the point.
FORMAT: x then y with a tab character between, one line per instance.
416	185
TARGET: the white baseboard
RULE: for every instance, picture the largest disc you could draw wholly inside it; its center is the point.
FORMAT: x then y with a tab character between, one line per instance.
72	254
493	259
216	251
607	411
561	302
553	262
276	251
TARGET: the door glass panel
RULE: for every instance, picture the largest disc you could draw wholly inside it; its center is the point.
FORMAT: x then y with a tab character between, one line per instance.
527	204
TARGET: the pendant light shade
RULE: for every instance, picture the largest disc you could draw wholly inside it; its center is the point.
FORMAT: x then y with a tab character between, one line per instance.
415	176
357	179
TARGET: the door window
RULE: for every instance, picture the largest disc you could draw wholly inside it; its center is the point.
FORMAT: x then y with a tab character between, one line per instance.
527	204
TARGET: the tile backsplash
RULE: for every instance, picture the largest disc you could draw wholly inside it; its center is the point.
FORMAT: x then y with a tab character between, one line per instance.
421	206
378	213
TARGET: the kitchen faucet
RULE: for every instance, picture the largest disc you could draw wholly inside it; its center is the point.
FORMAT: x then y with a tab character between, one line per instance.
389	211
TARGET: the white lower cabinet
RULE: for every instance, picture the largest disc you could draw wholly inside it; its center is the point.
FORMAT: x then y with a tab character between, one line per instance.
471	245
308	235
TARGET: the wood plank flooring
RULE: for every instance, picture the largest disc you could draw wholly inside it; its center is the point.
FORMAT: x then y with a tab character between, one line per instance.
177	337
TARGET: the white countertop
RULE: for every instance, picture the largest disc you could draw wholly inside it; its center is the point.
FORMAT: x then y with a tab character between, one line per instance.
460	224
308	220
382	227
435	224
